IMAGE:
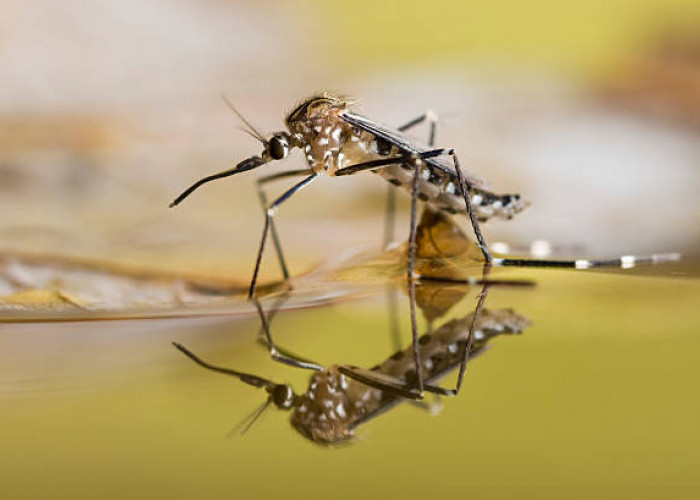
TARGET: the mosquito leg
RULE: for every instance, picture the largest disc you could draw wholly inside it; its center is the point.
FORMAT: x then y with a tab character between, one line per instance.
394	332
390	217
389	384
428	116
466	191
269	219
470	338
273	227
282	357
264	334
389	221
386	162
623	262
276	306
412	272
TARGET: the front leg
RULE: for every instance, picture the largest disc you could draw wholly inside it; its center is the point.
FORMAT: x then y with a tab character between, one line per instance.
269	221
263	201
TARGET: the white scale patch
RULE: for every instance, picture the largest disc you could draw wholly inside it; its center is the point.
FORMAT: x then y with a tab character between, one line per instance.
428	189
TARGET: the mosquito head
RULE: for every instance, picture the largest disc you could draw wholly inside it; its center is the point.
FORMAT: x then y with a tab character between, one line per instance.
277	146
282	396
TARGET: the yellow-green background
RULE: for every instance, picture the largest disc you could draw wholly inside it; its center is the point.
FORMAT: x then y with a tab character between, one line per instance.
586	38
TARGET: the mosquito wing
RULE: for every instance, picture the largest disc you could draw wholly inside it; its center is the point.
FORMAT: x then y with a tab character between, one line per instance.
409	145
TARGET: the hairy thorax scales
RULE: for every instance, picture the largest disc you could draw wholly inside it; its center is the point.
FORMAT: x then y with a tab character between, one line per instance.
317	129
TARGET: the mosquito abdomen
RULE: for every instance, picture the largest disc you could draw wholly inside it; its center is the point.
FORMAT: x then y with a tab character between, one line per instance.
441	190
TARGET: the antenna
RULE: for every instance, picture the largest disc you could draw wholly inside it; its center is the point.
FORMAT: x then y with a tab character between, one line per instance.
248	422
253	131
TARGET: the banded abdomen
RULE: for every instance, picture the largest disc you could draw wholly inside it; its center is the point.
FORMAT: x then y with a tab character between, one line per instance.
442	190
442	350
438	184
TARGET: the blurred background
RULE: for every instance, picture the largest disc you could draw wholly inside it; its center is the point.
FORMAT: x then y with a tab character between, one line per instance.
109	109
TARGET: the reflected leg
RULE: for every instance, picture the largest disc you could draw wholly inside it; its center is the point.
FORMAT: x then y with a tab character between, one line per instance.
277	354
470	337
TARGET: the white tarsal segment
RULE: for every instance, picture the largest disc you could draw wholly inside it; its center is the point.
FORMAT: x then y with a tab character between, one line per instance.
582	264
627	261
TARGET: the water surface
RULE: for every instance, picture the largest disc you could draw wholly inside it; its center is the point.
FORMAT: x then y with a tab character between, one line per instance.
596	397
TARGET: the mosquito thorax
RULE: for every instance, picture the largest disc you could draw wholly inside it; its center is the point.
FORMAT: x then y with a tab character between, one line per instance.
324	413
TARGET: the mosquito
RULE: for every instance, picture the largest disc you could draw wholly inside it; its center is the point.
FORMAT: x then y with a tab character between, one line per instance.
337	141
338	400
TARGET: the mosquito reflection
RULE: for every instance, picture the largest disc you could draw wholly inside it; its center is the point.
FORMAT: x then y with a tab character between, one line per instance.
340	398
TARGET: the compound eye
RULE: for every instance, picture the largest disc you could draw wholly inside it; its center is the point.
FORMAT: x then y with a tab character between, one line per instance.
282	396
278	148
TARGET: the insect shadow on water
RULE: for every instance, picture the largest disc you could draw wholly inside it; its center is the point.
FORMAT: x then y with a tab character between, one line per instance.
338	142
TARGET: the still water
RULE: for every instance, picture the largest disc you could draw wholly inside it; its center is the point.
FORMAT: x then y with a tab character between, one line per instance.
593	393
